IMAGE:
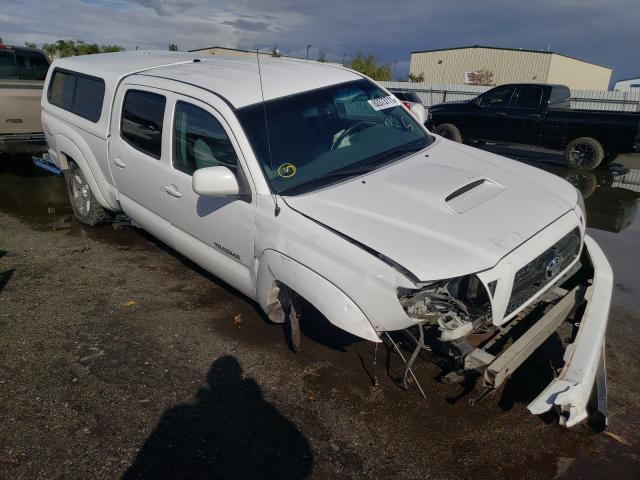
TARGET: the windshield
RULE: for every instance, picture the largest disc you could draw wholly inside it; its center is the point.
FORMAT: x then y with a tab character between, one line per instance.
319	137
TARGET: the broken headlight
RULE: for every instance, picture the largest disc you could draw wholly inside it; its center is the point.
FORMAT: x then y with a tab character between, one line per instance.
456	306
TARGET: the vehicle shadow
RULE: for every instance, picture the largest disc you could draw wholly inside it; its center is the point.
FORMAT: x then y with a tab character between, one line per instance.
230	431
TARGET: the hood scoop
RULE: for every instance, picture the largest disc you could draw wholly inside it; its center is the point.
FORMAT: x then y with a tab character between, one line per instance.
472	194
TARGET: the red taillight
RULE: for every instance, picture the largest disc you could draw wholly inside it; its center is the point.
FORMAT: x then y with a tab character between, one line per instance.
3	47
407	105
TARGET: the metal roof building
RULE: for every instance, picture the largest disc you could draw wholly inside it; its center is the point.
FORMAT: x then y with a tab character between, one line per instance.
627	84
492	65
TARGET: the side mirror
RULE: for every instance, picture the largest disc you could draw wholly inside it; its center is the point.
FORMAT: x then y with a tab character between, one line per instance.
418	111
215	182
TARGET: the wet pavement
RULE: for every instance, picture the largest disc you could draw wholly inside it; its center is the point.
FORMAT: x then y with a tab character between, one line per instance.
118	357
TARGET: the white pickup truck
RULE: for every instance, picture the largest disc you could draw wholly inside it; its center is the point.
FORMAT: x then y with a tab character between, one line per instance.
297	182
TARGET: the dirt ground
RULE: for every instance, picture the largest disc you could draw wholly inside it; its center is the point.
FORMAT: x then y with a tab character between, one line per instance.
119	358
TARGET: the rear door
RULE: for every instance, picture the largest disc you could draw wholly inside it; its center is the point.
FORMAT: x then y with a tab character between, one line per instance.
138	157
525	114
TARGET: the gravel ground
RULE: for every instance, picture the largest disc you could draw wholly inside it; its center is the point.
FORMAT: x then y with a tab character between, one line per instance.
119	358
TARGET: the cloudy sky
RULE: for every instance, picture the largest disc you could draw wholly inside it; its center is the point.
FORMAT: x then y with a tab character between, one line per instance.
601	31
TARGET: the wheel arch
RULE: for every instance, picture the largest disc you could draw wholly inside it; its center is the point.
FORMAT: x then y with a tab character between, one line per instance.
69	151
276	268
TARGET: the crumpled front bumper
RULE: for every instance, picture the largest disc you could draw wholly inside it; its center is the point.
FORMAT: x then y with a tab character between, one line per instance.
584	358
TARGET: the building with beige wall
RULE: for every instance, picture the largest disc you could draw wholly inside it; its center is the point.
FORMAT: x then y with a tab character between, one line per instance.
507	65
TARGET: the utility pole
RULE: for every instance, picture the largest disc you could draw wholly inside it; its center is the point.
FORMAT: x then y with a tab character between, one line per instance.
308	47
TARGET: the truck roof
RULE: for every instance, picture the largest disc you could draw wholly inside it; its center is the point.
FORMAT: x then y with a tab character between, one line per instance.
235	79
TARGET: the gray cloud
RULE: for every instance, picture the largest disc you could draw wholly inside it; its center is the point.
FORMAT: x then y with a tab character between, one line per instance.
600	31
247	25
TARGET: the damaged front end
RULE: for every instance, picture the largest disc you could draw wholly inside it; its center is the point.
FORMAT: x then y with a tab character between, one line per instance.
485	336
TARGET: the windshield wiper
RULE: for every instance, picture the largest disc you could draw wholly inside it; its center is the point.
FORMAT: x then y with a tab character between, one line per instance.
398	152
327	178
375	163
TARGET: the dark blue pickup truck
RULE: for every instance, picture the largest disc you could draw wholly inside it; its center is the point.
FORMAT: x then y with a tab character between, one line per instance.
539	115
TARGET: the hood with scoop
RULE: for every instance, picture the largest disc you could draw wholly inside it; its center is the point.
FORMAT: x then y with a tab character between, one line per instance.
447	211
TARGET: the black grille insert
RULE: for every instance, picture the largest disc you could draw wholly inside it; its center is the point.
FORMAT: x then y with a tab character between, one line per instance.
531	278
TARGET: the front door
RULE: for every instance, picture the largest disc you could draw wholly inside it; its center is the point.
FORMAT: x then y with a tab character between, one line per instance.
215	232
490	120
137	159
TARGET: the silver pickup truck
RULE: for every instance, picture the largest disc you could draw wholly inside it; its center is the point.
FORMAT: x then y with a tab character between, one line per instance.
295	182
22	74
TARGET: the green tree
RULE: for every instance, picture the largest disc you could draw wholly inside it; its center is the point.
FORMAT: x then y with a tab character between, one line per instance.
173	47
111	48
322	56
368	65
419	78
28	44
69	48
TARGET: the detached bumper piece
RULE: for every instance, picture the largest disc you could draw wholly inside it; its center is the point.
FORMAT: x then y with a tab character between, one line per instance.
584	358
584	361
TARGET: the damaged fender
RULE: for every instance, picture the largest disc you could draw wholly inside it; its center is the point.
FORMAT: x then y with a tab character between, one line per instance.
332	302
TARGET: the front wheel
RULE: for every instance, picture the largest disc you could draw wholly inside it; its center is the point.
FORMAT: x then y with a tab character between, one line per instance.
450	131
85	206
584	153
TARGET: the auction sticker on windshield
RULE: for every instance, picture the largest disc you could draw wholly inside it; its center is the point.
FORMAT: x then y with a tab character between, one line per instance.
384	102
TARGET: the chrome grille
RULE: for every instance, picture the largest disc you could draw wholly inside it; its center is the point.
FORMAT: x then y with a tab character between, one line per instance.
543	269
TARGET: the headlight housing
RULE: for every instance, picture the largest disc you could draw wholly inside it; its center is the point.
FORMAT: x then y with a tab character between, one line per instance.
457	305
465	296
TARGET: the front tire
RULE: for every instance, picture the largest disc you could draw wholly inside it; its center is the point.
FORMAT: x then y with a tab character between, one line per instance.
449	131
85	206
584	153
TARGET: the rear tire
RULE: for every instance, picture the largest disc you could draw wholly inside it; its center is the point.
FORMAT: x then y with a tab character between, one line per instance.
449	131
85	206
584	153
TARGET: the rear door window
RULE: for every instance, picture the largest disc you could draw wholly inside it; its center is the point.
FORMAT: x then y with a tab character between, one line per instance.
142	119
497	98
529	97
31	65
8	68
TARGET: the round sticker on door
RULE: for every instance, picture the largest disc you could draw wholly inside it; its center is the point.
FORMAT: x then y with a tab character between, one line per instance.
287	170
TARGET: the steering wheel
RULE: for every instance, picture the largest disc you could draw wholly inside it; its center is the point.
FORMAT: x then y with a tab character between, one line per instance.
356	127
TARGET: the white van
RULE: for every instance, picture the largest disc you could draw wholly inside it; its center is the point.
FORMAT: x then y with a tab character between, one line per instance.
296	182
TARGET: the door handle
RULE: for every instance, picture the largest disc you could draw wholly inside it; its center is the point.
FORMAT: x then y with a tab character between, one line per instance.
172	190
119	163
502	114
535	115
